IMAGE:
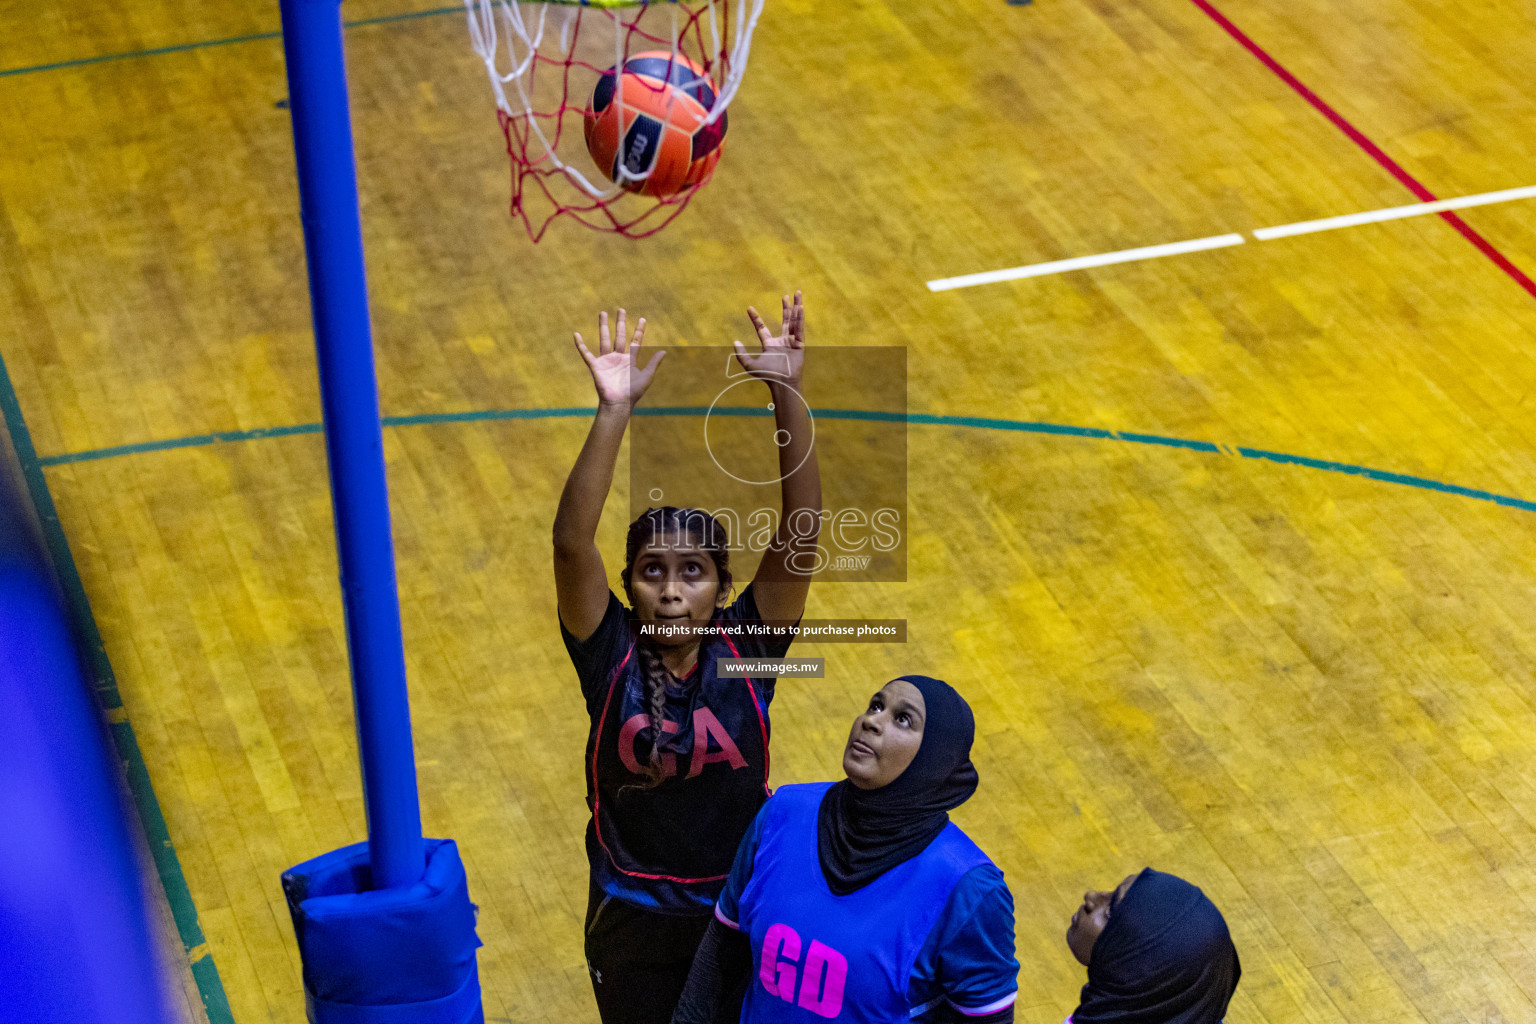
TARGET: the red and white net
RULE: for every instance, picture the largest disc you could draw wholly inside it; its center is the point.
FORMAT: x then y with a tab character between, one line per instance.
544	61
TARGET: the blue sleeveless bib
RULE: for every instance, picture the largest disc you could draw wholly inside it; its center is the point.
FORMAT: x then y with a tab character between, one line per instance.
817	956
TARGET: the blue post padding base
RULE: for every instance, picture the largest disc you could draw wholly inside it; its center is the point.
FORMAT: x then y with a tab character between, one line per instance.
385	956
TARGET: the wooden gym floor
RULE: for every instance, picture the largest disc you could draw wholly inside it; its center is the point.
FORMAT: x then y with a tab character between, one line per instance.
1306	687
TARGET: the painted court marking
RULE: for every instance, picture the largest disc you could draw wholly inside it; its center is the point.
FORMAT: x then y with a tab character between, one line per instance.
1349	220
916	418
202	44
1428	202
1146	252
1305	227
1372	150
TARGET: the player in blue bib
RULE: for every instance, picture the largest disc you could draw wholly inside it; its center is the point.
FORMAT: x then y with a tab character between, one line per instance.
859	901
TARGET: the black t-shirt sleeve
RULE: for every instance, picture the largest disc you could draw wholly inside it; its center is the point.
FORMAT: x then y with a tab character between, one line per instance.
744	609
596	657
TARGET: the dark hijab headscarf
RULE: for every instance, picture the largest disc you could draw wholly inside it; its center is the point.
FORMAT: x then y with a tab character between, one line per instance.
1165	957
863	833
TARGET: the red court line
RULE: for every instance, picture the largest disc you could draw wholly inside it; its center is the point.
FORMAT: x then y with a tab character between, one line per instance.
1358	137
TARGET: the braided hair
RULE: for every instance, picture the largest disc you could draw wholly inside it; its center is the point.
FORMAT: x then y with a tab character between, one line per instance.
701	529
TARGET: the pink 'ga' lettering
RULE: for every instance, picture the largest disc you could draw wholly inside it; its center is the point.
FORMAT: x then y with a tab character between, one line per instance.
705	727
627	745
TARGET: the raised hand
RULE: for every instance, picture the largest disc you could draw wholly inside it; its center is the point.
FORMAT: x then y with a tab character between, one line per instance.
616	371
781	358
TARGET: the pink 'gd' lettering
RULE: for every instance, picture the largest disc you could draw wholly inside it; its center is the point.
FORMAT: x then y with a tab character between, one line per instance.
627	745
825	969
706	727
779	978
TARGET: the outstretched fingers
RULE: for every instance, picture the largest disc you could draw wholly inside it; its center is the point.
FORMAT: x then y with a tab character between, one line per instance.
617	340
621	339
634	345
764	335
581	347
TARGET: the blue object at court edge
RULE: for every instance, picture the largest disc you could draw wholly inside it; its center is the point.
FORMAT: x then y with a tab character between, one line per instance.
76	944
386	930
385	956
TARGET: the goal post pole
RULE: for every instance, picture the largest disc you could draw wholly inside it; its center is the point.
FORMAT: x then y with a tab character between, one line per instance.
354	439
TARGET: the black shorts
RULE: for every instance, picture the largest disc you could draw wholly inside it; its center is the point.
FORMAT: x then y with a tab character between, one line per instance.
638	958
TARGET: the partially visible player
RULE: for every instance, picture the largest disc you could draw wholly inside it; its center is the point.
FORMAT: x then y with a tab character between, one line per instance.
860	900
1157	952
677	758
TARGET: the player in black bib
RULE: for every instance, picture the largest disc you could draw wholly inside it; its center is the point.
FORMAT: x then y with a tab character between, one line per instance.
668	814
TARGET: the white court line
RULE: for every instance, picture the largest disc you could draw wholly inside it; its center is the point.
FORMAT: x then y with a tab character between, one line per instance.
1147	252
1349	220
1152	252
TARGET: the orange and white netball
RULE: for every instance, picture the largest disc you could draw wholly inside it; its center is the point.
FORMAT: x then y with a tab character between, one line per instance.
646	127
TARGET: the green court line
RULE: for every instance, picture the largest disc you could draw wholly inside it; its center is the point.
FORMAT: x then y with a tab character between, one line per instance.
927	419
205	43
105	685
1387	477
195	441
483	415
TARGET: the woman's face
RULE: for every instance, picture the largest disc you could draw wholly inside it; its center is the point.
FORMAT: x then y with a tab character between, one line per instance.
675	585
885	738
1090	918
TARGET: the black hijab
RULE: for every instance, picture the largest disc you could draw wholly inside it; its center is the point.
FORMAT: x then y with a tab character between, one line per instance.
1165	957
863	833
